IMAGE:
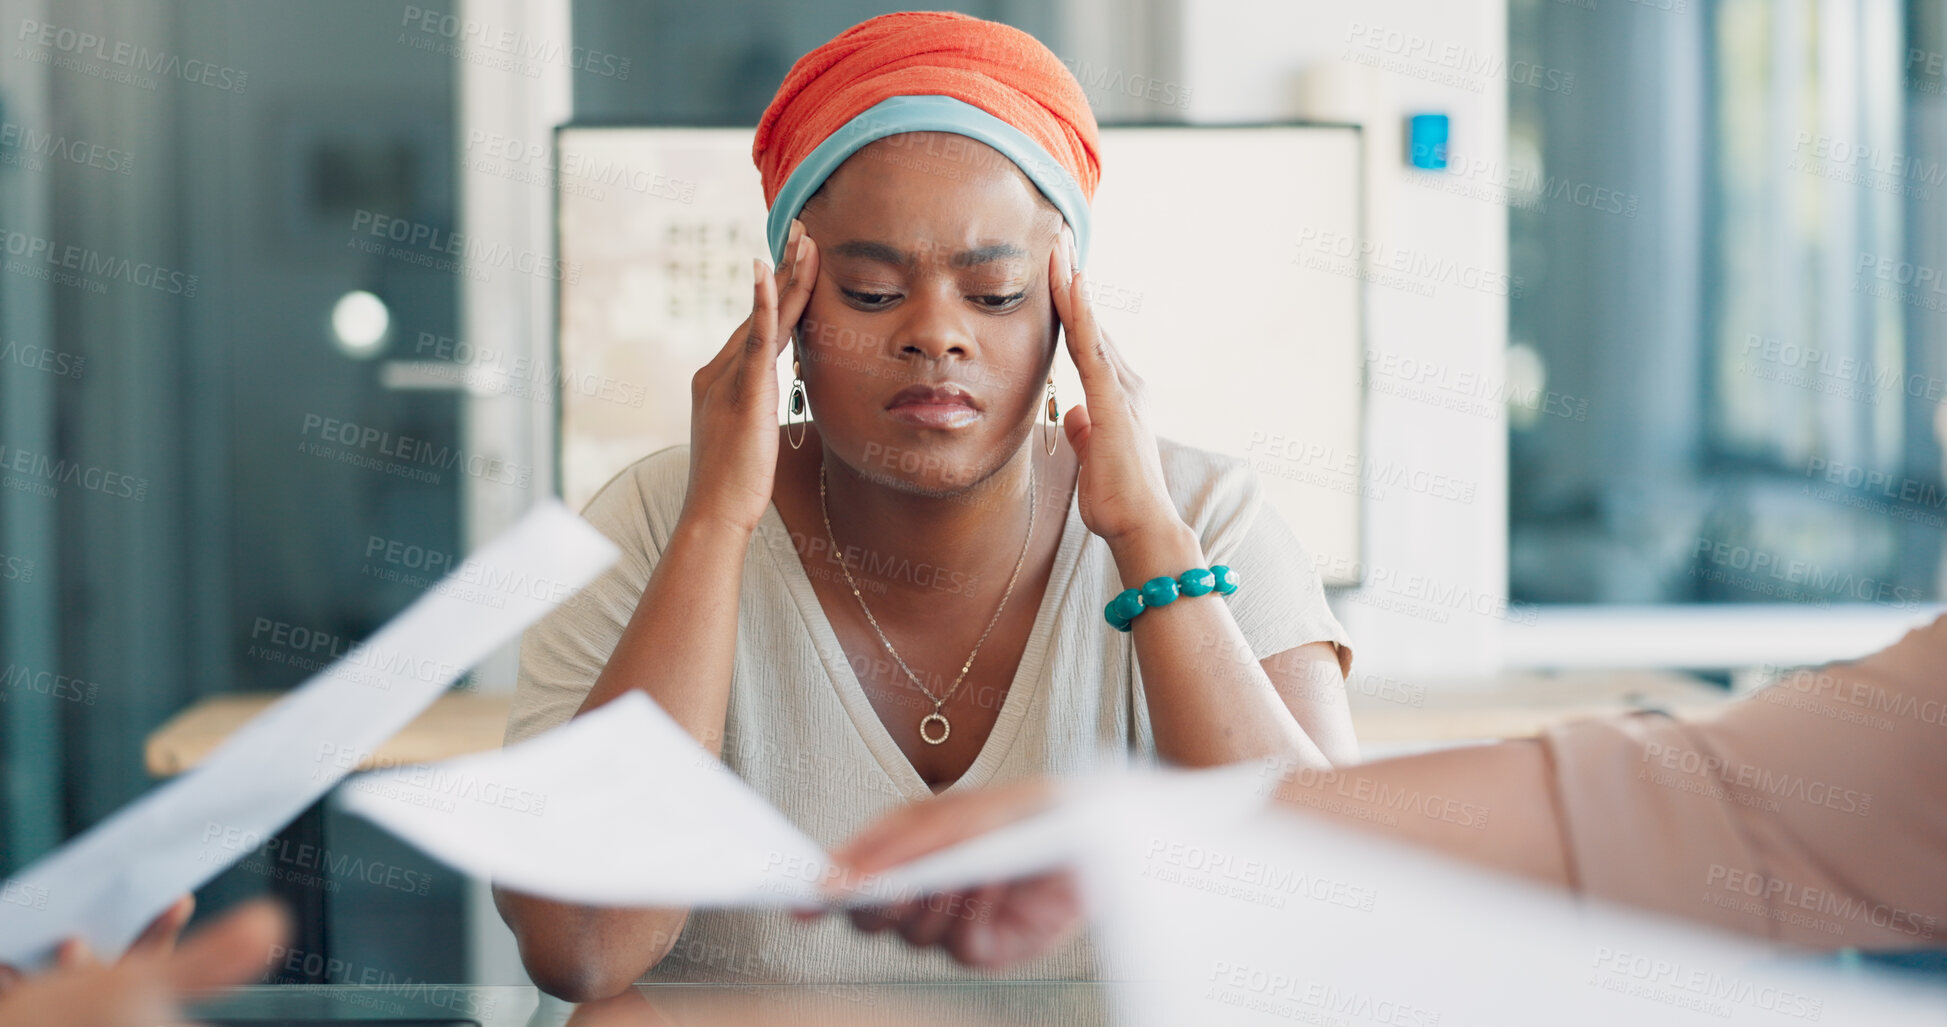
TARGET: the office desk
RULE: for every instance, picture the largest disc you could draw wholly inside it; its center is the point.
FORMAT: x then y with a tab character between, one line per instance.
1384	713
456	724
1395	717
1390	717
980	1004
984	1004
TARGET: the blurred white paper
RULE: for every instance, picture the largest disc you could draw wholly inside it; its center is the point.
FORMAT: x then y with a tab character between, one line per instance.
621	807
1288	918
1087	810
107	884
617	807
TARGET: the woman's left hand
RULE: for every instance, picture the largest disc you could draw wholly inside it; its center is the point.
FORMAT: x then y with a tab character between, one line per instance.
989	927
1120	491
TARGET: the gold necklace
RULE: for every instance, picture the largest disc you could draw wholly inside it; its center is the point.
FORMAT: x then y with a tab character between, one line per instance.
939	701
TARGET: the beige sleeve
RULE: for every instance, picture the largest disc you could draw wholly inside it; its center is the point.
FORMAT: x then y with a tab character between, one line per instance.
1813	811
564	652
1280	599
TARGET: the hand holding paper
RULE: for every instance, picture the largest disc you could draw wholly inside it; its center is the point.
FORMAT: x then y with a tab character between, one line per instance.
621	807
107	884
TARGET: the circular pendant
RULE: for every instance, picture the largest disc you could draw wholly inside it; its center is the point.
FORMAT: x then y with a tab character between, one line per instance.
945	728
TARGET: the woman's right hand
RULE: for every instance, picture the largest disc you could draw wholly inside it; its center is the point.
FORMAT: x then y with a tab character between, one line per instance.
733	398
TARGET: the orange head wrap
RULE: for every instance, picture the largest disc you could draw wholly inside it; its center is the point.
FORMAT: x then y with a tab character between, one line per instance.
918	71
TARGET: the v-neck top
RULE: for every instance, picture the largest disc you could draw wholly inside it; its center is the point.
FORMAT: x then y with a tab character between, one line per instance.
801	731
845	676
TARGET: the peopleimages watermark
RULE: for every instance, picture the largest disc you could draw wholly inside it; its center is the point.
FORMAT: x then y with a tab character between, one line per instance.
447	787
17	893
16	568
877	566
1812	689
17	677
543	165
1529	189
402	455
1462	390
746	753
1670	982
1280	992
24	470
784	869
434	571
1316	463
1418	595
1749	784
1214	871
28	149
1300	677
487	372
871	355
1917	285
42	358
1875	167
1926	71
1368	798
1449	63
301	863
1904	489
442	249
1784	577
1844	375
1820	909
309	649
1403	267
86	268
502	47
376	985
119	61
1098	79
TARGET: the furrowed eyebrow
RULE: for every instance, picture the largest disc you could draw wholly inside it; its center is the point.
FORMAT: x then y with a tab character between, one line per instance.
885	253
874	251
988	254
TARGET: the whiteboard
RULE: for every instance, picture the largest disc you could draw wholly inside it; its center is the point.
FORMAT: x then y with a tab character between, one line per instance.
1197	275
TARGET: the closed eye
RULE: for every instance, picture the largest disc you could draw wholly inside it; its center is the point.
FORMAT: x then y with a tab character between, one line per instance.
870	300
1000	302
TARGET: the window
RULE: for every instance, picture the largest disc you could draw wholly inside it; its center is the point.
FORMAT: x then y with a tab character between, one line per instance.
1733	251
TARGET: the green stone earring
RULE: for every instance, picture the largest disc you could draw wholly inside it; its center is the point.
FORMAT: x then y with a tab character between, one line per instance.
797	407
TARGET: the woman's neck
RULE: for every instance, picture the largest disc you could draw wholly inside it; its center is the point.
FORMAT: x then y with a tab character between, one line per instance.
963	542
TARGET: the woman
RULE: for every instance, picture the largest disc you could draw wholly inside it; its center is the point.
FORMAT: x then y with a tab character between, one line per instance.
906	594
1812	812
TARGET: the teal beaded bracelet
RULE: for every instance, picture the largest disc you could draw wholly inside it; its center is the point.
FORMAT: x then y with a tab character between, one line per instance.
1122	611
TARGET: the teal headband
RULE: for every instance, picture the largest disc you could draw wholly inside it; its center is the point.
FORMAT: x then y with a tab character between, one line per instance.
928	114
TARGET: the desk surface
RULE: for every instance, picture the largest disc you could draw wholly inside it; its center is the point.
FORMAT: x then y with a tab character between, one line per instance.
972	1004
1385	712
979	1004
456	724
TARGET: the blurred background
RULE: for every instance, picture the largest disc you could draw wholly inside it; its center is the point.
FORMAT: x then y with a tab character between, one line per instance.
1651	379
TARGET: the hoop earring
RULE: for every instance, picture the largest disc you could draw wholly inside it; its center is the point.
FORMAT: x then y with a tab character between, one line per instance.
798	402
1054	417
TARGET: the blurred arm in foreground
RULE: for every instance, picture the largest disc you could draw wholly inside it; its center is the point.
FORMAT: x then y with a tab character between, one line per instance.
1813	811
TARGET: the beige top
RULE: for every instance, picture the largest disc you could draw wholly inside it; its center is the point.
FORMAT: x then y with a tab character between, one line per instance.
1813	811
802	732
